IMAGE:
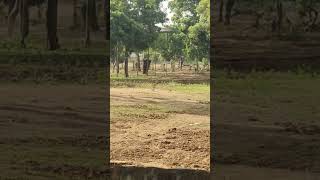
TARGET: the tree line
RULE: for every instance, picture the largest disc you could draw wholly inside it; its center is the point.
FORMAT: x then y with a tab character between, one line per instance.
275	15
134	26
21	8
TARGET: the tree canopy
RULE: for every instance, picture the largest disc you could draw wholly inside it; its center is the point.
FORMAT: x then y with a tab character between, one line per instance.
135	28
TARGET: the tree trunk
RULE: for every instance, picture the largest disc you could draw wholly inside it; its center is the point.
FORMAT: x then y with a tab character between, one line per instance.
93	15
229	6
148	66
138	63
197	66
24	21
280	15
107	18
87	24
117	61
13	10
145	66
221	11
83	13
52	23
172	66
75	13
126	72
137	69
181	63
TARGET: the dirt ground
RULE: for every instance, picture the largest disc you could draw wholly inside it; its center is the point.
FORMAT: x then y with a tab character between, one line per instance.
265	123
164	134
52	131
263	127
59	130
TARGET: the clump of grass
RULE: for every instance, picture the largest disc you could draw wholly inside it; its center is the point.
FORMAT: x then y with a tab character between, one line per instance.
187	88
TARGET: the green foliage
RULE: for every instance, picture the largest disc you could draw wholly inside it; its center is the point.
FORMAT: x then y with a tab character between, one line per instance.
198	46
133	24
190	34
125	31
203	10
133	28
185	14
171	44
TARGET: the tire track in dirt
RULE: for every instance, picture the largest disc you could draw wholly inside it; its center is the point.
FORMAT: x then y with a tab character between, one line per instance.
55	113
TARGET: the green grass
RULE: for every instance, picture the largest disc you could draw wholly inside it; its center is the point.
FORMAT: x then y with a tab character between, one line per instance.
187	88
171	86
150	110
158	82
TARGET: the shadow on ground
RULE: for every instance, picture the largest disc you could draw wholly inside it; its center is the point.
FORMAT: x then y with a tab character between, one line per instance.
119	172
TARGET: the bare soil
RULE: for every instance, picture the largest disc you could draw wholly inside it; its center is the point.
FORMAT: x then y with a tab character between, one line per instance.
52	131
164	139
265	127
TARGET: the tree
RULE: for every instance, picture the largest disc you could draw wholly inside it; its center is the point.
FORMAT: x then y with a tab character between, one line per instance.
87	23
133	26
148	14
198	46
52	22
192	30
75	13
88	8
92	7
199	34
107	17
229	7
24	20
171	44
221	10
20	6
